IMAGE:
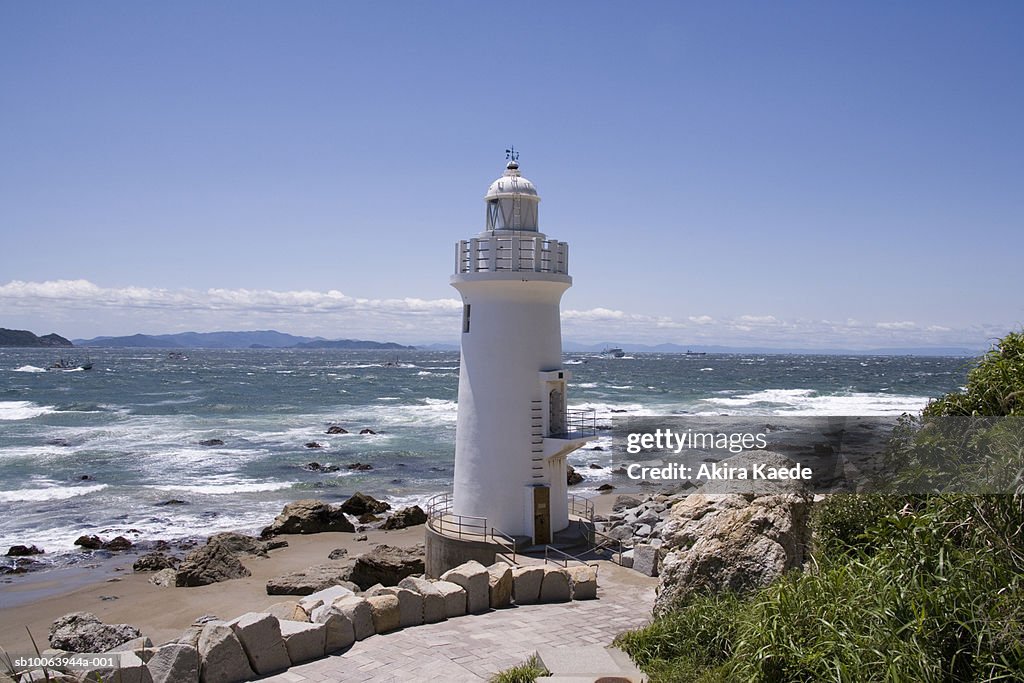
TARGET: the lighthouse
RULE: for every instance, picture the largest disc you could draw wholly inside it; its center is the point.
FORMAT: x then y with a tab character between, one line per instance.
513	432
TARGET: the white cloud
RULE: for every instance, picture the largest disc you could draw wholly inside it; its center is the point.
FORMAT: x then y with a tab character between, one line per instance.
83	309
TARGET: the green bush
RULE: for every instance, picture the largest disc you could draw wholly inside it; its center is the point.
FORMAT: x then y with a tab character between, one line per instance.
527	672
841	522
995	386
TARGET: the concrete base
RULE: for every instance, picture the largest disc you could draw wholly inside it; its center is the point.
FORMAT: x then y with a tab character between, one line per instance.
445	552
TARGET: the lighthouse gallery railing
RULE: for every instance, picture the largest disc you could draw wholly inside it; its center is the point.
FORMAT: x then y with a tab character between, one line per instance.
511	254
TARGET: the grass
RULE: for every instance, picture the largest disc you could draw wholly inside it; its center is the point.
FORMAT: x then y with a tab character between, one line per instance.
912	588
527	672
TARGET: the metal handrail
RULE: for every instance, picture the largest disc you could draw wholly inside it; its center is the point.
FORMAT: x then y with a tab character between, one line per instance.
500	540
579	423
608	542
441	519
515	254
567	558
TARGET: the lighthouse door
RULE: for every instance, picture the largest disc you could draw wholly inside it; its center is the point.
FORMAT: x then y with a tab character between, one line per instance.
541	515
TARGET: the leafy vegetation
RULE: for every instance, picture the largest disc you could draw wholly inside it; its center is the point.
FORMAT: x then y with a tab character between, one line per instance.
527	672
903	588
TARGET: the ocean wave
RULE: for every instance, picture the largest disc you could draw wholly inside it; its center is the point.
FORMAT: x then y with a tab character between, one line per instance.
29	368
810	402
48	492
224	488
22	410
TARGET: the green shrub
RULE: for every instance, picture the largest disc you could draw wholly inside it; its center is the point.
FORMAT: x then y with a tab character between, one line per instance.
841	522
527	672
995	386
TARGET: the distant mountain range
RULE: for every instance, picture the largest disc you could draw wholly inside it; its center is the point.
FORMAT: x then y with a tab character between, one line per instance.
261	339
24	338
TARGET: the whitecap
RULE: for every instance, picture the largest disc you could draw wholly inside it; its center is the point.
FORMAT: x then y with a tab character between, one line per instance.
48	492
22	410
225	488
29	368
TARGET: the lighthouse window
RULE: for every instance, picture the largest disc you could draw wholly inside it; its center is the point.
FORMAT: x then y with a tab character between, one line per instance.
465	318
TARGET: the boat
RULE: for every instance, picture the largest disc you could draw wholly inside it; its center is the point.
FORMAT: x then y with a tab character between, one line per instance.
65	365
696	353
616	352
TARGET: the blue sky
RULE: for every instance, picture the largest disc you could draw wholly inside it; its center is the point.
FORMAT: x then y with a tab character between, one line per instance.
813	174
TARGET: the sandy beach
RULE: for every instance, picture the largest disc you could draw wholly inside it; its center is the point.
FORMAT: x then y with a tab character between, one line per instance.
114	593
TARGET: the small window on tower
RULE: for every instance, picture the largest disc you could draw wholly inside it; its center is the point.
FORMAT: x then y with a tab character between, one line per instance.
465	318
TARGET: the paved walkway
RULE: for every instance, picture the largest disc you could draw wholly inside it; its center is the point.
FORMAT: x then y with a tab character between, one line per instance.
475	647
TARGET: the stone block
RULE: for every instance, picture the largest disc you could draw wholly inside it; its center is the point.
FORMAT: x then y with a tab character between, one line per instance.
433	602
645	559
526	582
386	614
359	613
410	604
324	597
174	663
475	580
289	610
304	641
128	668
584	582
626	559
555	585
339	632
260	635
221	657
499	579
454	598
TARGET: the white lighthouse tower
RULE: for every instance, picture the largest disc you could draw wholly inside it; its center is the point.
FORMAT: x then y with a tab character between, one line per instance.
514	431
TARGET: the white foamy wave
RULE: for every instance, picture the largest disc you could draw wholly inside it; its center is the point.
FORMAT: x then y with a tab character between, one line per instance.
48	492
22	410
29	368
809	402
225	488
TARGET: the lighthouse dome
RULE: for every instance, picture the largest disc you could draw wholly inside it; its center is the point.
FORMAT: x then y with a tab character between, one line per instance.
512	201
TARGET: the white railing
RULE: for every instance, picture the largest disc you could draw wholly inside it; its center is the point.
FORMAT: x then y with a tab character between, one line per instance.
511	254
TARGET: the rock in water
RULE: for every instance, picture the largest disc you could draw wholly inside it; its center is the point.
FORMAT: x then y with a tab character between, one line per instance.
360	504
89	542
23	550
387	565
117	543
731	542
406	517
308	516
572	476
84	632
335	429
209	564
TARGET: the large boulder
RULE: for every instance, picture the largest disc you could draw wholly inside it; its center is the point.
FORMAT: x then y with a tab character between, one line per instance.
222	659
240	543
584	582
208	564
325	597
154	562
406	517
339	632
84	632
526	582
410	604
359	613
731	542
555	586
304	641
311	579
360	504
386	565
386	612
499	580
308	517
454	598
474	578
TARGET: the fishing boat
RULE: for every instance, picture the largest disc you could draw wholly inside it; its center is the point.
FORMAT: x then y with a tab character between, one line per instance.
65	365
616	352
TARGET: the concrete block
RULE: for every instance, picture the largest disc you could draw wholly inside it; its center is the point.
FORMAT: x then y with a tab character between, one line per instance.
526	582
645	559
474	579
260	635
359	613
339	632
304	641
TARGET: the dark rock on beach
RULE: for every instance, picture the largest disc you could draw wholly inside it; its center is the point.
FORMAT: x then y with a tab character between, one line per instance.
117	543
308	516
605	487
387	565
367	518
360	503
84	632
406	517
338	553
23	550
154	562
211	563
240	543
312	579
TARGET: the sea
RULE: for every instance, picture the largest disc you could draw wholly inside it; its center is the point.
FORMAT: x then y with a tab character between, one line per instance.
102	451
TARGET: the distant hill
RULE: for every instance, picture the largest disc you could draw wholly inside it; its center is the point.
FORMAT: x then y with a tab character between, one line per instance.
24	338
350	344
259	339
